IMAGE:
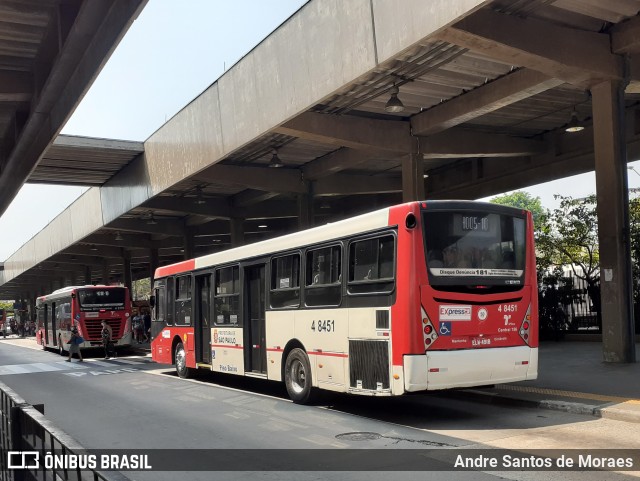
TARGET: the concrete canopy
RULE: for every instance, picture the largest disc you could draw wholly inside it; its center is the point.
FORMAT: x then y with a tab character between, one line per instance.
487	89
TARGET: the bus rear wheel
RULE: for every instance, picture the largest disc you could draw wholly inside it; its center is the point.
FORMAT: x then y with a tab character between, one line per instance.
181	362
297	377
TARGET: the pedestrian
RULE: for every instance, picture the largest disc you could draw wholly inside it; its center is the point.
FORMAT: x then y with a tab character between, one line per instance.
107	341
147	326
74	344
136	322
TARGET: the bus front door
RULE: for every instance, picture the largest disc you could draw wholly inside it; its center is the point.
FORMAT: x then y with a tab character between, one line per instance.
254	328
46	324
53	324
202	318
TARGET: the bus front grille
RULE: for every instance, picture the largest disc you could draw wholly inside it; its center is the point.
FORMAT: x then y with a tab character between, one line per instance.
93	328
369	365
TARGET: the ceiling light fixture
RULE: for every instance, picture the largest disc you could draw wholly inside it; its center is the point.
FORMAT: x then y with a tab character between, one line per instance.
574	124
263	226
275	162
93	247
394	104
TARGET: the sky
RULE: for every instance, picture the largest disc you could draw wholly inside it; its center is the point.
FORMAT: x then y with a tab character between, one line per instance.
173	52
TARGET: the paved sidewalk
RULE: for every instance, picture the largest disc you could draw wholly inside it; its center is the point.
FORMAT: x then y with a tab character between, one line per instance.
572	377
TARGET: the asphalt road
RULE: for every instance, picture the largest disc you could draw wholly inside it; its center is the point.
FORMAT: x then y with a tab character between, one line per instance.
131	403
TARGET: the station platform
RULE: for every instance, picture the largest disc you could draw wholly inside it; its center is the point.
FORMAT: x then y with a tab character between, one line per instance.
573	377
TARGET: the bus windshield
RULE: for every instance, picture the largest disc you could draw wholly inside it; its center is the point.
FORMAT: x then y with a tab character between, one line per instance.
474	247
91	299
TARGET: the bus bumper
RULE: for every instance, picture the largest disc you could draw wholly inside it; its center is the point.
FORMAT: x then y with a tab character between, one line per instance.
471	367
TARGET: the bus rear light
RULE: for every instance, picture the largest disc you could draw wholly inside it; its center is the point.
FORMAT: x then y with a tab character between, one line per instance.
429	334
434	369
525	326
522	363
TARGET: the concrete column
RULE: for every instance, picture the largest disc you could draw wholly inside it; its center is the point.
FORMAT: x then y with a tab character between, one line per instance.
87	275
412	178
153	264
189	245
126	271
613	222
237	232
73	277
305	211
105	272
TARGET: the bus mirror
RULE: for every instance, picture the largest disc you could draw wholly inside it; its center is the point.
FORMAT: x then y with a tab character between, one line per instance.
152	301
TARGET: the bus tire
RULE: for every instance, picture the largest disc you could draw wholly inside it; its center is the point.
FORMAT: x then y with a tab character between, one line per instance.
297	377
181	362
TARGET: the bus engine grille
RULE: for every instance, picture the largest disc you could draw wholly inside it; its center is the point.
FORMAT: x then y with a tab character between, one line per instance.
93	329
369	365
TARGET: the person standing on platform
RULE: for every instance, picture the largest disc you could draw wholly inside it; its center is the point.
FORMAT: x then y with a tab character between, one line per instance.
107	341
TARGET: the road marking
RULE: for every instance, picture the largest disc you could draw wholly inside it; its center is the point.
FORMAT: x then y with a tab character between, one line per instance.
40	367
571	394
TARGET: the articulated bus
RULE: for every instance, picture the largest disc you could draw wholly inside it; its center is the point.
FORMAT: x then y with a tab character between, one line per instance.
84	307
416	297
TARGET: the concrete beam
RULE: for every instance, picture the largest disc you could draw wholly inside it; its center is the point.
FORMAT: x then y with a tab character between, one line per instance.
171	227
250	197
348	131
575	56
625	37
218	208
492	96
458	143
343	184
334	162
15	86
259	178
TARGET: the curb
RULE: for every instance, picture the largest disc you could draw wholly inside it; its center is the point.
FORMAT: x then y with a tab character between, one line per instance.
608	411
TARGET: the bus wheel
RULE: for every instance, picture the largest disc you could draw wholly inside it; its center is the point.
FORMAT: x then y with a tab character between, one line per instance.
297	377
181	362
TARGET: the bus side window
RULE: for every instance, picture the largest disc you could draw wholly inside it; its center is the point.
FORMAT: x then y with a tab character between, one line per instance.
372	265
183	300
323	281
160	309
285	281
170	296
227	297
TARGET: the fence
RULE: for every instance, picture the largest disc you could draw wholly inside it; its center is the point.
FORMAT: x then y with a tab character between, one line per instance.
568	304
23	427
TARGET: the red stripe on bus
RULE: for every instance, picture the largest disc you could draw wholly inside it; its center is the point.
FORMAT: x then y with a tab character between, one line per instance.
315	353
227	345
177	268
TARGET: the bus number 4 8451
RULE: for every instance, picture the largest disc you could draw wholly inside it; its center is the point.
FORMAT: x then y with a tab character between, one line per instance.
323	326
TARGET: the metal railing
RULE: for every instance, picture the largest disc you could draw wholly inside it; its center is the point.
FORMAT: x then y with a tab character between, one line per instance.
23	427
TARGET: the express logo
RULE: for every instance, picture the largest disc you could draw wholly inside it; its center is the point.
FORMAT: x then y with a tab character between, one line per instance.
482	314
455	313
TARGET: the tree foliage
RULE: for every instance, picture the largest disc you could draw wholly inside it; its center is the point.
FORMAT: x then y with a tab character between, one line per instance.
572	237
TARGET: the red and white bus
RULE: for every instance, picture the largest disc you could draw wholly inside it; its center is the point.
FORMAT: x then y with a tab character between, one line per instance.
84	307
420	296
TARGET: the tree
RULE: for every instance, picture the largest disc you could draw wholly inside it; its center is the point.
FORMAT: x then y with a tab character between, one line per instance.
634	238
524	200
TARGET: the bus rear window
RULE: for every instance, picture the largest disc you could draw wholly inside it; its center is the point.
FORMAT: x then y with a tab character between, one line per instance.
474	247
91	299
